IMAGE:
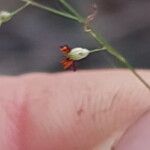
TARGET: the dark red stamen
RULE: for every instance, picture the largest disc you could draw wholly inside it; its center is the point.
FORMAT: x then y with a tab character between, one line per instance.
74	66
65	49
67	63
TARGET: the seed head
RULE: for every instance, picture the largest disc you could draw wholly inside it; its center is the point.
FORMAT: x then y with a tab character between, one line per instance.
78	53
4	17
72	55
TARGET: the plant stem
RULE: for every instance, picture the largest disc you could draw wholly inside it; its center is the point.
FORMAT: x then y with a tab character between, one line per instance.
20	9
72	10
115	53
57	12
98	49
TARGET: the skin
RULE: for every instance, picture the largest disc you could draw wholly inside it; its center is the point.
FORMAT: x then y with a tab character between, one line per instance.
83	110
137	136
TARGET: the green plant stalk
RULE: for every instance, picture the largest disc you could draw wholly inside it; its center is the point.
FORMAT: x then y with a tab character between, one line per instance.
20	9
115	53
72	10
52	10
98	49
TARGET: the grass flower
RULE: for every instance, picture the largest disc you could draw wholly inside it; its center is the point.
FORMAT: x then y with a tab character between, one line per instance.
72	55
5	16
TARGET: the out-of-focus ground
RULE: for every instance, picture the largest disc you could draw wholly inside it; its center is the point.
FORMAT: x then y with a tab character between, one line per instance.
30	41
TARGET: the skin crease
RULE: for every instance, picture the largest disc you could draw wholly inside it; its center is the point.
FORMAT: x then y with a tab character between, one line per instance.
137	136
80	110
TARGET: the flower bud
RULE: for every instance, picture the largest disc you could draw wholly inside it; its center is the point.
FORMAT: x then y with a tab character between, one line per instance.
78	53
4	17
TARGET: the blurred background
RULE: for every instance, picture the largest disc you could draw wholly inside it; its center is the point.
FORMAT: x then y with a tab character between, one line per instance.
30	41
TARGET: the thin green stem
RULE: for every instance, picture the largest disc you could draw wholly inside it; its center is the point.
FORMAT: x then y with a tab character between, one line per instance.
52	10
98	49
20	9
115	53
72	10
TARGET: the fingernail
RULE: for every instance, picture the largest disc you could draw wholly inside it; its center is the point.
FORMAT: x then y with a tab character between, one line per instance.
137	137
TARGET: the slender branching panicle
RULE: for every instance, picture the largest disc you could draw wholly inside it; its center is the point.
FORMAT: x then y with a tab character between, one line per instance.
76	54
